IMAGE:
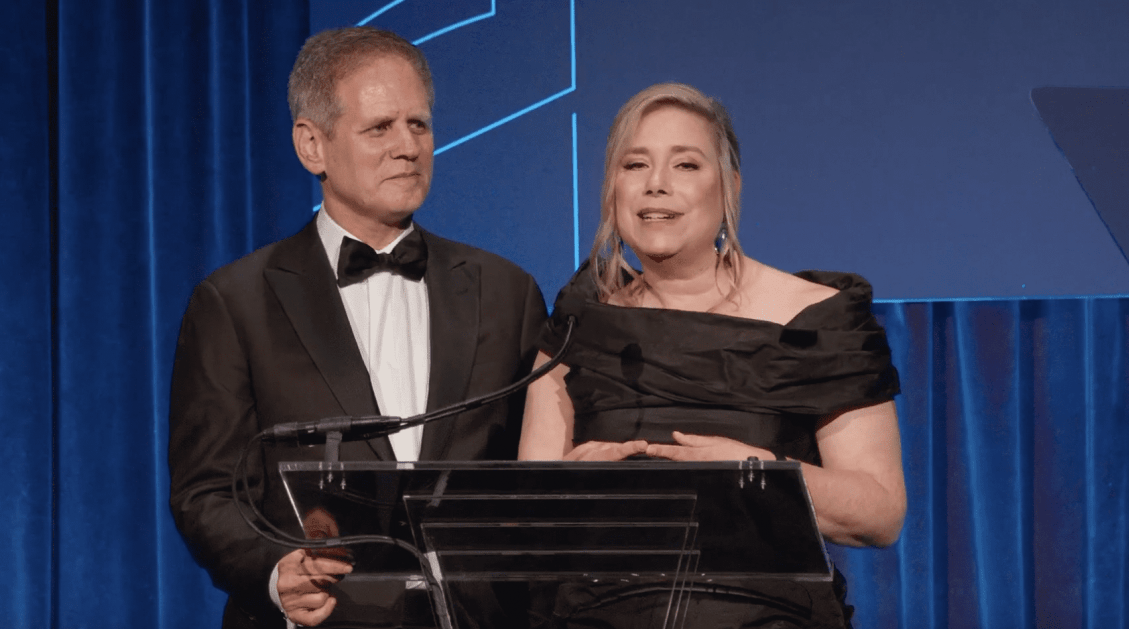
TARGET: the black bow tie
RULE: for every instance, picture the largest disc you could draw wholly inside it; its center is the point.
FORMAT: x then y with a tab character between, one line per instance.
358	260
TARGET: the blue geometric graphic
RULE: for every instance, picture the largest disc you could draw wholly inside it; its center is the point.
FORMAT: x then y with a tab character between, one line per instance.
477	18
1091	127
444	20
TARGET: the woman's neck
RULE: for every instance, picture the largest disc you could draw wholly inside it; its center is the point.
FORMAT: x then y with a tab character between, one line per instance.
701	286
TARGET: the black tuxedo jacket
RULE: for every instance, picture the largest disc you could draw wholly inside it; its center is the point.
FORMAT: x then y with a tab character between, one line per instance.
266	340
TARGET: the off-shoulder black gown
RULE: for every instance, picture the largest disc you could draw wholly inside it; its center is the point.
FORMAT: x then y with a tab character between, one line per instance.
640	373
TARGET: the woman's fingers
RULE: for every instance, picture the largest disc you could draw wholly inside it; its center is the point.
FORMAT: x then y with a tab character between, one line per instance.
606	450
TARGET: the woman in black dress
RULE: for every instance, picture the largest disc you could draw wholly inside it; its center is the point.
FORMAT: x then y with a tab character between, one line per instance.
707	354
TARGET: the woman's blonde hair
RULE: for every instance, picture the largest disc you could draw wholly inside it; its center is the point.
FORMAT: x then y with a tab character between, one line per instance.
607	261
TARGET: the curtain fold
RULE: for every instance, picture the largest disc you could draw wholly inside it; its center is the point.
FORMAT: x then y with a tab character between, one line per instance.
148	143
26	286
1015	425
173	158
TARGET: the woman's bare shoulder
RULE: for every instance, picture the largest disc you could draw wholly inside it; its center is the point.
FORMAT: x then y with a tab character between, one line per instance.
777	296
807	292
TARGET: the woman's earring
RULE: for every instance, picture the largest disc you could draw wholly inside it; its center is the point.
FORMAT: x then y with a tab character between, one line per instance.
719	243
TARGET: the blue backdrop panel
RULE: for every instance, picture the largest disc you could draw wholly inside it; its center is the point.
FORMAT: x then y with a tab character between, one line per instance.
893	139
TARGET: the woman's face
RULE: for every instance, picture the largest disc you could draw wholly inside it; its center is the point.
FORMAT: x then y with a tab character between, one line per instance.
668	196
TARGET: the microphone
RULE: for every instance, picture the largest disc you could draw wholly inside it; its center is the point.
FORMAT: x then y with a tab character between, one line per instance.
368	427
351	429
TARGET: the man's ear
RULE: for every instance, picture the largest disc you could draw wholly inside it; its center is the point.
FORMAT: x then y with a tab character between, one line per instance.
309	144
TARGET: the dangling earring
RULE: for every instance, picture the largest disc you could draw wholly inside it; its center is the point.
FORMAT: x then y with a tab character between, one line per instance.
719	242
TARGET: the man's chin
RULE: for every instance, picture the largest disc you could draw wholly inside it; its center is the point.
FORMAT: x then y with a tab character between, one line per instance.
396	207
399	220
407	201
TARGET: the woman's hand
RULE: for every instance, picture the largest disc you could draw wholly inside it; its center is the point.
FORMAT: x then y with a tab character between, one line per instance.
703	448
606	451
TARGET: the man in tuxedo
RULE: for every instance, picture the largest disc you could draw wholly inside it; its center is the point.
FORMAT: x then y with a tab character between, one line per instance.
361	313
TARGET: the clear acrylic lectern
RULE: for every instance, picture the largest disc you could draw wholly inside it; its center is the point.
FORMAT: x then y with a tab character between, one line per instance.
461	525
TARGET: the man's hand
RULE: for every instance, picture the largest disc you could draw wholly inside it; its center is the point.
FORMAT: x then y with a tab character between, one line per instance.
606	451
302	578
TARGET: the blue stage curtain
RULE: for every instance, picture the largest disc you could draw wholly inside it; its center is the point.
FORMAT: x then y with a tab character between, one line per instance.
1015	425
26	291
148	143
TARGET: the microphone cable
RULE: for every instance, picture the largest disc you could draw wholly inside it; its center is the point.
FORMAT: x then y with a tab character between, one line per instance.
240	480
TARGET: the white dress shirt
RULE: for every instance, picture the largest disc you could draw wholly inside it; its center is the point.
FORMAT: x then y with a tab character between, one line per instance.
389	316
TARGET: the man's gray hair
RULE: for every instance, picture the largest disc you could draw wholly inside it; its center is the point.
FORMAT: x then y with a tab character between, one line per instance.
329	56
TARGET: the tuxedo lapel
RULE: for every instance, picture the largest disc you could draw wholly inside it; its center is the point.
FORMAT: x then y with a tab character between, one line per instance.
302	280
453	298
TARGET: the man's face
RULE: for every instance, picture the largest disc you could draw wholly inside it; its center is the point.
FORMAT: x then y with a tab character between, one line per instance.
378	162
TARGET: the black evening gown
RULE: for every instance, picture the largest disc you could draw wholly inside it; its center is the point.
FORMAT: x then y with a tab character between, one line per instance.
640	373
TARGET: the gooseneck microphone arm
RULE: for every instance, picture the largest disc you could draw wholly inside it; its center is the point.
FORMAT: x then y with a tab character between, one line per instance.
368	427
332	431
352	428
